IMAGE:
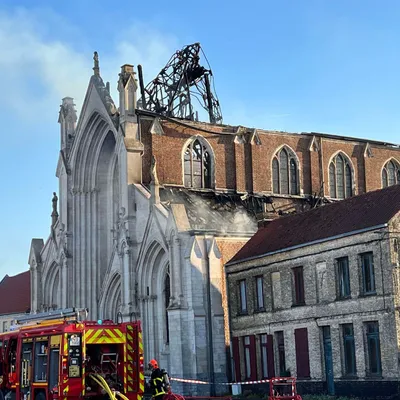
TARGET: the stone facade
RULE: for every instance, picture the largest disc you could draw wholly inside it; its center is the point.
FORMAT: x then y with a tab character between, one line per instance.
149	209
321	325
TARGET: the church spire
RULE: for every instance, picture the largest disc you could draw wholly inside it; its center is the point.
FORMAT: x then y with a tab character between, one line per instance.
96	67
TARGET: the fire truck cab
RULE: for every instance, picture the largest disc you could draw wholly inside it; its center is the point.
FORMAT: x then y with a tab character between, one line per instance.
60	355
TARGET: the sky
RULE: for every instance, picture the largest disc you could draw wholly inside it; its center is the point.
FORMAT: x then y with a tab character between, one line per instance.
298	66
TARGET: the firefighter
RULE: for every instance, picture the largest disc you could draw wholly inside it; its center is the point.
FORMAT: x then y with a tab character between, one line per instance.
159	382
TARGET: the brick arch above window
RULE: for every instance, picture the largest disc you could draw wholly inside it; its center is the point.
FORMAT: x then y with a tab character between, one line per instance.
391	173
198	164
341	178
285	172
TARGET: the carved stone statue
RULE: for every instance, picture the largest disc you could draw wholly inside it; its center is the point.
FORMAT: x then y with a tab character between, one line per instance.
153	171
54	201
96	67
54	214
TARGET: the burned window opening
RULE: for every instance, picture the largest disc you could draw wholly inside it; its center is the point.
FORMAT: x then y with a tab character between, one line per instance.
391	174
340	178
197	166
285	173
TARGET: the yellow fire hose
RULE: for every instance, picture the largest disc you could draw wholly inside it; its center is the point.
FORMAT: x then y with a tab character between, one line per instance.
102	383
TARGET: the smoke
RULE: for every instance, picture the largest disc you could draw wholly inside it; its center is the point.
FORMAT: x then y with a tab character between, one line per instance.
224	215
242	220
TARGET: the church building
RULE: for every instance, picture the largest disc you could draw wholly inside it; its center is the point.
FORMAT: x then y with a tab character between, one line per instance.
150	208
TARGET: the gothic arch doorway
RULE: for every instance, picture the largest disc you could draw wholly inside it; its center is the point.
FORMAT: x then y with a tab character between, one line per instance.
155	291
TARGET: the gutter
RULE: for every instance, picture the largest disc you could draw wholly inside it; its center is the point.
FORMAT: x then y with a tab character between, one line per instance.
298	246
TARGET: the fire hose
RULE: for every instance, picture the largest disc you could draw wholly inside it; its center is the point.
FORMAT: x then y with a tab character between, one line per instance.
104	385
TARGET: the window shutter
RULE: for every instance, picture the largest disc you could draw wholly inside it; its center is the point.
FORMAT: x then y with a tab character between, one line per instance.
270	352
236	358
302	355
253	358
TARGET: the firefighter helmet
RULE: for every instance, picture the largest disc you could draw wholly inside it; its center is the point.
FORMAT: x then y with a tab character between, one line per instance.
153	363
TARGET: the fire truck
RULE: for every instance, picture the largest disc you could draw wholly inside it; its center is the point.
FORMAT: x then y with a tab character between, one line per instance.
61	355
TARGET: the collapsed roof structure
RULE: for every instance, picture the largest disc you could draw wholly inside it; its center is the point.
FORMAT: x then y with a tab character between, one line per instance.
181	83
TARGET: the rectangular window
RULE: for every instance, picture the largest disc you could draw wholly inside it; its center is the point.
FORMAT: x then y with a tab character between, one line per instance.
243	296
281	353
368	274
264	355
247	357
267	356
260	292
298	286
276	290
302	355
349	350
343	277
373	348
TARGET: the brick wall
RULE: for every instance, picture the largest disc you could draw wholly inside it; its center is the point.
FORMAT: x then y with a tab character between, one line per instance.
228	248
242	165
322	306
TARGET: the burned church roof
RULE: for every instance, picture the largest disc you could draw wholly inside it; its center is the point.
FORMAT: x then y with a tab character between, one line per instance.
211	211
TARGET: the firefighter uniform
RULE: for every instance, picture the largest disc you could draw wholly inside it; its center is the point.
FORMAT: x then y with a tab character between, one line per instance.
157	381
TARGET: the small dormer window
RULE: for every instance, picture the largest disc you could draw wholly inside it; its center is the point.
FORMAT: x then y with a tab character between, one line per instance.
198	165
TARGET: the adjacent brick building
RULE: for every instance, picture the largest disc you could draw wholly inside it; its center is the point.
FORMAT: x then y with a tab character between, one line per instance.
316	295
15	298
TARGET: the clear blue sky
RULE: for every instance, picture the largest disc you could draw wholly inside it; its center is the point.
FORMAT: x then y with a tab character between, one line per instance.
309	65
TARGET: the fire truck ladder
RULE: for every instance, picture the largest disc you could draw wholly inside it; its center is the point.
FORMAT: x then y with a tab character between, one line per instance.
69	313
109	358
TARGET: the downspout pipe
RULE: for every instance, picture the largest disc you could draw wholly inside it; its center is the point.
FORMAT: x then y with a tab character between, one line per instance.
209	321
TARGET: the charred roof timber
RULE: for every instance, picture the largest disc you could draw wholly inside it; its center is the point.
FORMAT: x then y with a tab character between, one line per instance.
181	84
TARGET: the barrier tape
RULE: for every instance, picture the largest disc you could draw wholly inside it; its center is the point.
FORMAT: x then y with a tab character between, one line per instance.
229	383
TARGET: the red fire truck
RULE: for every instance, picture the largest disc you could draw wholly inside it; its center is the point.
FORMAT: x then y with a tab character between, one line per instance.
60	355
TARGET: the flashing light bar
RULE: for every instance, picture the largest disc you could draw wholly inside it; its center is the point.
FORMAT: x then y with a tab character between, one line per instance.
60	313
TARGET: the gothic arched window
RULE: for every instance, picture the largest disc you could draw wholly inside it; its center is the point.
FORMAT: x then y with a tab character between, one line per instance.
391	173
197	165
285	173
340	178
167	295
